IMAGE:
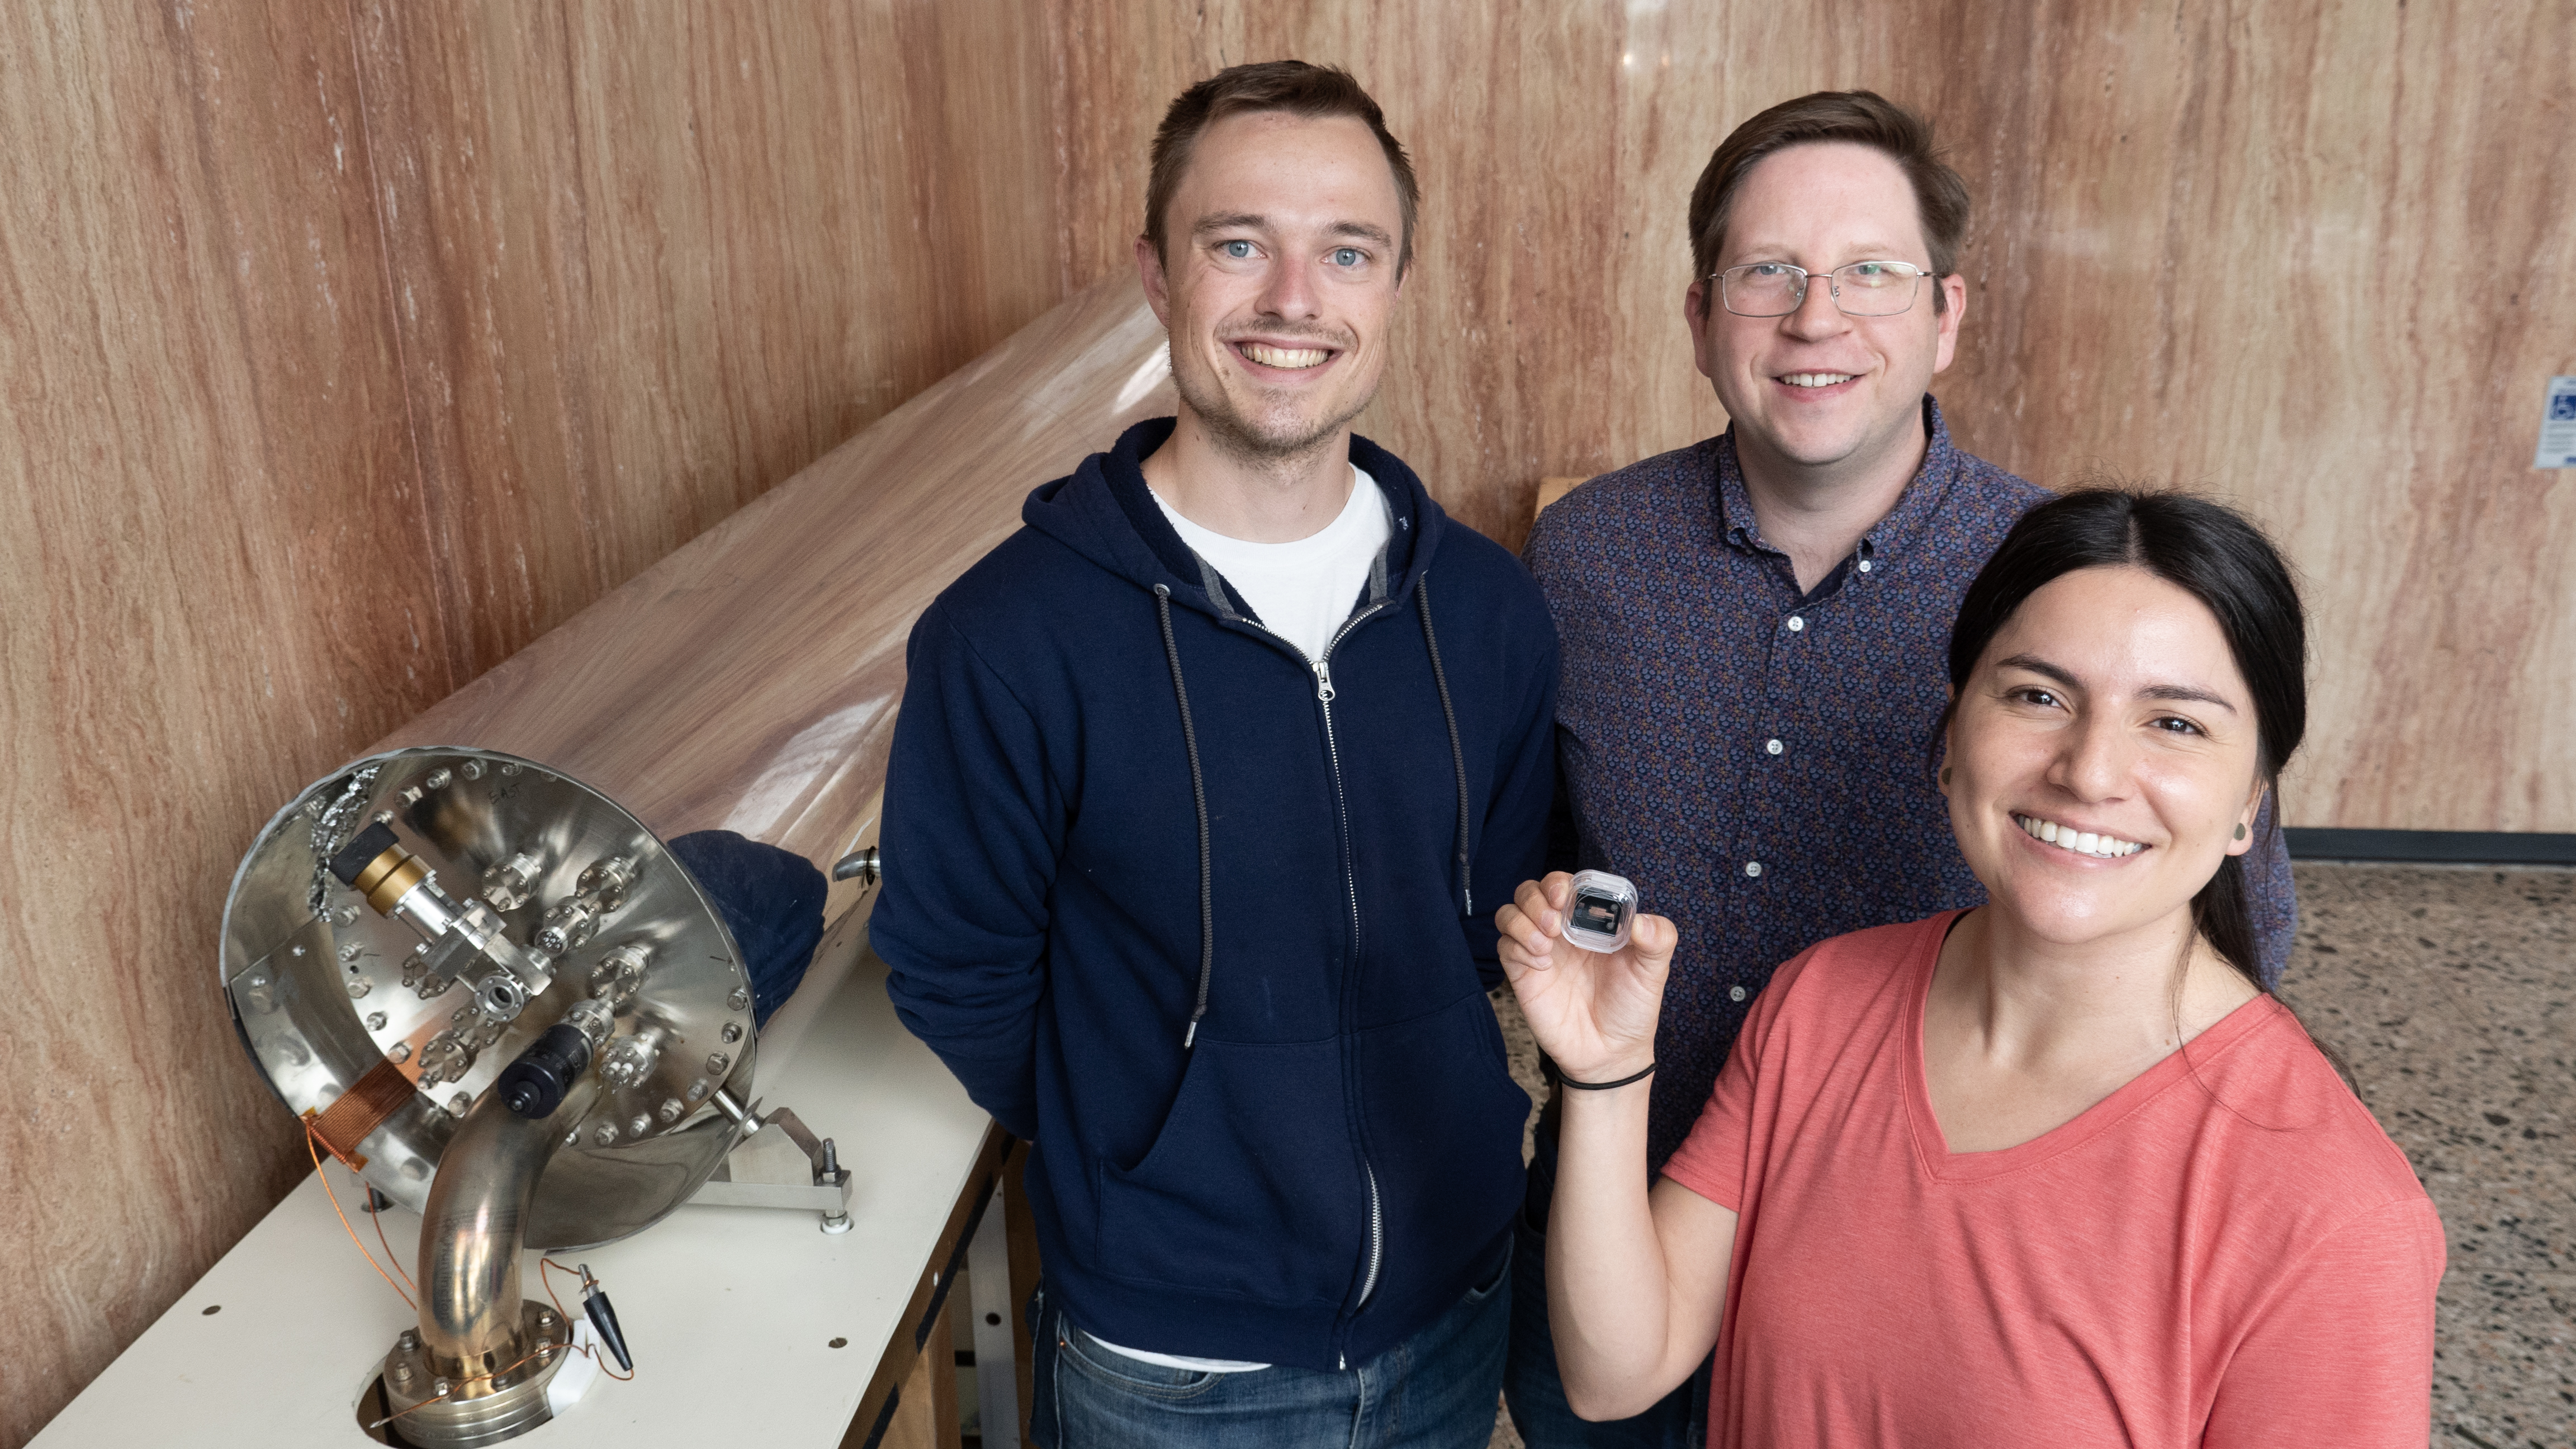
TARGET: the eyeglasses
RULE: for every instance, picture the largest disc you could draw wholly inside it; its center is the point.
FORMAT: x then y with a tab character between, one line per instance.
1862	289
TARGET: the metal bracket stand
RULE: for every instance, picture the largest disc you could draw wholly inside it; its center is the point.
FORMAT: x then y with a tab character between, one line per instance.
791	1169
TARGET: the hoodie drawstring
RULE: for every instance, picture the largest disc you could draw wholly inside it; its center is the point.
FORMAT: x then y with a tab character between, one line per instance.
1457	755
1198	793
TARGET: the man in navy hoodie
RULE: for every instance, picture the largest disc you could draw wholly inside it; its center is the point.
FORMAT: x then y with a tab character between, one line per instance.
1206	786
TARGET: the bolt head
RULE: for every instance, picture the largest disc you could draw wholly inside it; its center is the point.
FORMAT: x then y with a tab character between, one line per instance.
732	1032
606	1136
670	1109
716	1063
439	1387
697	1091
471	769
438	779
461	1103
375	1021
740	1000
640	1125
359	986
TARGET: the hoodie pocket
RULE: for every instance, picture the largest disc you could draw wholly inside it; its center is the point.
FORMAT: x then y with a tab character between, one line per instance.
1253	1187
1444	1122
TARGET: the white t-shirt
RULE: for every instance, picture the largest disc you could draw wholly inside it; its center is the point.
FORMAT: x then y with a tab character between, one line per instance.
1305	589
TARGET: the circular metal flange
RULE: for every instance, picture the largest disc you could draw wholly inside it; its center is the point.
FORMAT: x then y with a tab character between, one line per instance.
325	991
438	1404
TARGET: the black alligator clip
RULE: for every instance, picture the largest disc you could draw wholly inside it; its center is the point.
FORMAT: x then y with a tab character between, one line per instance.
604	1318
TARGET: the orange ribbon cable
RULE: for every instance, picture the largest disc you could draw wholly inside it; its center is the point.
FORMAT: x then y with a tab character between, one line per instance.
360	1110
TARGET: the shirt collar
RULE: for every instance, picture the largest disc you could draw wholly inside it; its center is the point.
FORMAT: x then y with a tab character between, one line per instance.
1889	535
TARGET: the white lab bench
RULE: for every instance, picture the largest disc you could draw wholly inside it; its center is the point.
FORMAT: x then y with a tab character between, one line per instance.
748	1325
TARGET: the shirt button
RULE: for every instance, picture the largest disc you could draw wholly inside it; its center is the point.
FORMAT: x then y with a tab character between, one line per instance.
1864	565
1753	867
1735	993
1796	623
1774	746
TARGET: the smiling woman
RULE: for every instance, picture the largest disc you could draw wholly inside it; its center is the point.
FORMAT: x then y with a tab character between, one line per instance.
2055	1170
2213	661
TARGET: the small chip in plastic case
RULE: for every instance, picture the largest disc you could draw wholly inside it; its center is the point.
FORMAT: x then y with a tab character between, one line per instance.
1603	909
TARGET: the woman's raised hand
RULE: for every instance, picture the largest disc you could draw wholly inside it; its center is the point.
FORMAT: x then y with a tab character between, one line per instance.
1593	1013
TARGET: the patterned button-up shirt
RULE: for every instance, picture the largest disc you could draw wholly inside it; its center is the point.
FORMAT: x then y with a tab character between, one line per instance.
1758	760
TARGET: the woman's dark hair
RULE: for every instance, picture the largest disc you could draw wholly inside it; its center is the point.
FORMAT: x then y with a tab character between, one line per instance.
2210	552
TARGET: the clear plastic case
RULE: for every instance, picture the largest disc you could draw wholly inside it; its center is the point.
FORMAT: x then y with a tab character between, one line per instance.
1603	908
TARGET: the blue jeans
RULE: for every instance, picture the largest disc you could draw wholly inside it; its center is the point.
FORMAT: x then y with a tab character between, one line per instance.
1531	1385
1434	1390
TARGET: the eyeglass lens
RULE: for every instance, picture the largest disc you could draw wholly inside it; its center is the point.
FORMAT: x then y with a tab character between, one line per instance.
1862	289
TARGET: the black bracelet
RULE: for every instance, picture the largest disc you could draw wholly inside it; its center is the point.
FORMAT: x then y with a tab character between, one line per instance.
1605	1086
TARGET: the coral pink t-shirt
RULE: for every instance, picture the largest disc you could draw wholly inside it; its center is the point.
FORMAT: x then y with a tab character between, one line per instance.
2227	1251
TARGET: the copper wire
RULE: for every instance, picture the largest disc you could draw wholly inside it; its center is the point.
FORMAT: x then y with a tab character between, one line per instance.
542	1265
378	1214
455	1384
312	1144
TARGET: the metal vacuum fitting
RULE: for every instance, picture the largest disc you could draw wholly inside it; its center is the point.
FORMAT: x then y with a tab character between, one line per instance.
492	1349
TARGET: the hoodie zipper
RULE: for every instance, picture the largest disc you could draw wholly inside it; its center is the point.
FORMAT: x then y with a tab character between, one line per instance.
1324	693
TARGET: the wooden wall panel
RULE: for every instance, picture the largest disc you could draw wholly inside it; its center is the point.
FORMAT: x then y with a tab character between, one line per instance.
208	487
2301	255
348	346
2307	260
650	267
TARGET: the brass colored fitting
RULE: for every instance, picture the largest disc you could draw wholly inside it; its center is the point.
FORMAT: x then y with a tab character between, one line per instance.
389	877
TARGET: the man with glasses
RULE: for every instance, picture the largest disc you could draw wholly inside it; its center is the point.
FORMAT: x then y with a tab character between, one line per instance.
1754	628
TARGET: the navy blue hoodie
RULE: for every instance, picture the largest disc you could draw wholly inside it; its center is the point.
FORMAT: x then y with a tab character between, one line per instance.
1212	926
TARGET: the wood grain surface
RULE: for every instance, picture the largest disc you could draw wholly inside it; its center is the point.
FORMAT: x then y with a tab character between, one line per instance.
2311	258
749	682
348	347
650	262
203	449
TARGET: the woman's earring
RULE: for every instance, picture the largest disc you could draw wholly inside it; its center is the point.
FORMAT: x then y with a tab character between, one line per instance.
2240	830
1945	774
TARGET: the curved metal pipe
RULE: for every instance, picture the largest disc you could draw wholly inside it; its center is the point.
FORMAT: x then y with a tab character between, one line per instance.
475	1225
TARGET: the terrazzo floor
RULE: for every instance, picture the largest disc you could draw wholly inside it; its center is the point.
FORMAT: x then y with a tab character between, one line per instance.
2450	992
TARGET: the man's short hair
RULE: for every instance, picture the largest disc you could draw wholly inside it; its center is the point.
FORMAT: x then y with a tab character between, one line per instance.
1293	86
1863	118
